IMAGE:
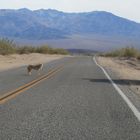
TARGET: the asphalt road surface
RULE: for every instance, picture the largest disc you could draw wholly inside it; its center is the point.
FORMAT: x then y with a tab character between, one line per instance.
76	103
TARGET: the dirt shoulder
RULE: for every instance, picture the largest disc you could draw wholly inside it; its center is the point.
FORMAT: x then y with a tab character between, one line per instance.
16	60
127	70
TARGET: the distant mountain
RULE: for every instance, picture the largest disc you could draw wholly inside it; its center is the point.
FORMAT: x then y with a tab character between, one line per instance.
52	24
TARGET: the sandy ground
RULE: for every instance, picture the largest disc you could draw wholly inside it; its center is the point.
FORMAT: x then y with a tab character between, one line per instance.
126	69
13	61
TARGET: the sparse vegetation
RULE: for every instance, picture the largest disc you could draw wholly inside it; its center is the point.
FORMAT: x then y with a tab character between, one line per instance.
48	50
124	52
26	50
9	47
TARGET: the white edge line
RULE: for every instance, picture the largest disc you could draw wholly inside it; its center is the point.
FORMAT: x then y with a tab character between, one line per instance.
125	98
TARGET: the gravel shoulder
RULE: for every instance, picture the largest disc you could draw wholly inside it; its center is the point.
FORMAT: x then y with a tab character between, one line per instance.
126	74
125	69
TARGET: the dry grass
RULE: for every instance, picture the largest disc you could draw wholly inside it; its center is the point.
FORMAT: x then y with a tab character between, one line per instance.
9	47
124	52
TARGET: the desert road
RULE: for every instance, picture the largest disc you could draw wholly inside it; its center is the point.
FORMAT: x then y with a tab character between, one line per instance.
73	100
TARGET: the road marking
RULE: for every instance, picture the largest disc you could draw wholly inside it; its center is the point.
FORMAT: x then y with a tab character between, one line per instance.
125	98
27	86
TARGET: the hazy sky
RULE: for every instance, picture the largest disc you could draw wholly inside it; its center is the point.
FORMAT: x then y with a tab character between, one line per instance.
125	8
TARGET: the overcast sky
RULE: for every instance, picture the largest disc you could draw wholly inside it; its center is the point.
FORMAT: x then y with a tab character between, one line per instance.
125	8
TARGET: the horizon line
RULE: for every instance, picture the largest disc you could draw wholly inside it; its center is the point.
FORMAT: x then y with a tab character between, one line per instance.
67	12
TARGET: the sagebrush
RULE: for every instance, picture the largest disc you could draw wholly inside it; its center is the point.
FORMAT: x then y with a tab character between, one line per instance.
124	52
9	47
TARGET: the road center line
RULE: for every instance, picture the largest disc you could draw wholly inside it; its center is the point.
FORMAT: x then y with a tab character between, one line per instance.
125	98
27	86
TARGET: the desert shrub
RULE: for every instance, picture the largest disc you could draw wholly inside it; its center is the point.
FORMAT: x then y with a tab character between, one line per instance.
26	50
112	54
138	56
60	51
129	52
7	47
48	50
124	52
43	49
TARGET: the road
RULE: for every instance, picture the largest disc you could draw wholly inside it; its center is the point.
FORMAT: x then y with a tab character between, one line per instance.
76	103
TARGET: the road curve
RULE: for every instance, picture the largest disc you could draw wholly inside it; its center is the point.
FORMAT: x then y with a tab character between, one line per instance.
77	103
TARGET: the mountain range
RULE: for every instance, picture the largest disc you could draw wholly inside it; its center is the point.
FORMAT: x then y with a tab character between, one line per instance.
52	24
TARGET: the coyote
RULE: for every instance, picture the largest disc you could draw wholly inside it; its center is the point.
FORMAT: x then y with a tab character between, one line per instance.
37	67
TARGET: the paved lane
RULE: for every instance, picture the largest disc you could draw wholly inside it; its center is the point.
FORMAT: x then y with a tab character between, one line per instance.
69	106
12	79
